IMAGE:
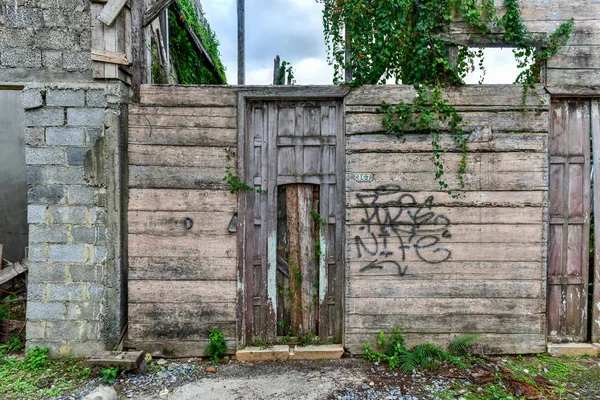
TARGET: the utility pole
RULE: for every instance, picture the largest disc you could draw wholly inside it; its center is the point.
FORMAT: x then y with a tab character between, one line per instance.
241	42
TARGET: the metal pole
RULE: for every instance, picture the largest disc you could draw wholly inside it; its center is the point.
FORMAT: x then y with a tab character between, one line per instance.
241	42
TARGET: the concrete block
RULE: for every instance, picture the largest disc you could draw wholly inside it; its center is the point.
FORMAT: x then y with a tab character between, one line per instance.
85	116
96	292
93	134
65	136
36	214
68	215
41	272
76	155
47	234
67	253
86	273
573	349
259	354
52	59
81	195
87	348
45	117
21	57
22	17
31	98
36	292
65	98
96	98
35	330
45	311
65	330
65	291
37	252
98	215
35	137
82	234
83	310
46	195
54	175
34	175
45	156
320	352
77	61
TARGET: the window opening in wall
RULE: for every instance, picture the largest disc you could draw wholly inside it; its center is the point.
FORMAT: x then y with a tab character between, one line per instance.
499	67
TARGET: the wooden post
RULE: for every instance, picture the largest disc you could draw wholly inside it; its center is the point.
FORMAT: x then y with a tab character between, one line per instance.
348	68
241	42
276	67
595	126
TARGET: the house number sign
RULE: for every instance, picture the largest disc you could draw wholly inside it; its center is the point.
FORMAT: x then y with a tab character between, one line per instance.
363	177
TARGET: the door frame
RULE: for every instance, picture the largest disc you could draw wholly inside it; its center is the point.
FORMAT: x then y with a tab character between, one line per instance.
285	93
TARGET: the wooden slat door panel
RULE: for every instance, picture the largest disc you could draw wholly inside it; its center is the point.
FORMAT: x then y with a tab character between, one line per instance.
292	142
569	209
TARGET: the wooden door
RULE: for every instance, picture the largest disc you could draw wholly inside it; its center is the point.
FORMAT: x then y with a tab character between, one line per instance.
569	209
291	143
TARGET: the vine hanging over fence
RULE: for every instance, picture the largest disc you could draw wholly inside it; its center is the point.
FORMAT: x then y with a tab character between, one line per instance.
407	40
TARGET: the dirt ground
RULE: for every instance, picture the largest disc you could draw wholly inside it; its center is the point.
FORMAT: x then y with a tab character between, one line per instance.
353	378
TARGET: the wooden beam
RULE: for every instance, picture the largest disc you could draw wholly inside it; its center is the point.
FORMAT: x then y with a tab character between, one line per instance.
595	126
154	11
196	43
111	11
11	271
110	57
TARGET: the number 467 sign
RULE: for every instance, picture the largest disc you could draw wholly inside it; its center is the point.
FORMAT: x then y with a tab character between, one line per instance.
363	177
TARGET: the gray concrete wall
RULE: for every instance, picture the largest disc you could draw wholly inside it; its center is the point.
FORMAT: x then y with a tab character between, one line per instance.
13	186
73	144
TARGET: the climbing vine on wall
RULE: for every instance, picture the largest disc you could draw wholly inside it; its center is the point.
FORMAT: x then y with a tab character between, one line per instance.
188	66
410	41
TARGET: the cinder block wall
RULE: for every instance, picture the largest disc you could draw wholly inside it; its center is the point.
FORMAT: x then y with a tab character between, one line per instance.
72	138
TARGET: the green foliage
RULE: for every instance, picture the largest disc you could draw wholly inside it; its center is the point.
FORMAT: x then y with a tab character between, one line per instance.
423	356
410	41
286	68
216	345
188	66
317	217
15	344
37	359
461	343
236	184
109	375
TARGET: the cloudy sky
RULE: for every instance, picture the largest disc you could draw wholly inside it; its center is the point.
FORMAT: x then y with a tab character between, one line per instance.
293	30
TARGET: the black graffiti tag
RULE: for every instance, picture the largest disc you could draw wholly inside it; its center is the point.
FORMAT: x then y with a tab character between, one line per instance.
392	228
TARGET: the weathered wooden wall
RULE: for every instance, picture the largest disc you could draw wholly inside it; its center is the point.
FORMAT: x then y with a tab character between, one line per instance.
435	266
182	281
578	63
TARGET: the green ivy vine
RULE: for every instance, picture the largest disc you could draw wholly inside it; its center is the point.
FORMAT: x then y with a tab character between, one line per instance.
409	41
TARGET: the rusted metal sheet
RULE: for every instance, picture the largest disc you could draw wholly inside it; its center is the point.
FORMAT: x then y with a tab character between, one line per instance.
569	209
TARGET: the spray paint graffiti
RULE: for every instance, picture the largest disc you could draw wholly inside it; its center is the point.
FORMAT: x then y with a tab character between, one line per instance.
393	228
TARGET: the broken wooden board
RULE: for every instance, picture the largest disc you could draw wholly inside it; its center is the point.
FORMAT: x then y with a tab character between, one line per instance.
11	271
111	11
125	360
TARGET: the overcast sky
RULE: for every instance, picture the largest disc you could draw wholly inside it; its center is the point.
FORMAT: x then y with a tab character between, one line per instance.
293	30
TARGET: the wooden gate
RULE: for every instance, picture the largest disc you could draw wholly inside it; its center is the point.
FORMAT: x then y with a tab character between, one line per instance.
568	253
293	144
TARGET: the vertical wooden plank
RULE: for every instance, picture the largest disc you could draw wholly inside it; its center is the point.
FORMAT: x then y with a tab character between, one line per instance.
595	126
339	209
270	171
293	226
243	211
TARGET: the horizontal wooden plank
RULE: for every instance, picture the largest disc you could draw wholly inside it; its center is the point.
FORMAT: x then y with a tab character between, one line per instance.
385	143
181	156
510	121
179	330
177	177
446	289
182	268
188	95
219	246
450	323
482	163
182	200
488	344
473	180
448	270
401	306
152	120
573	77
183	112
576	57
455	215
175	348
471	233
392	195
174	223
183	136
509	96
182	291
430	250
